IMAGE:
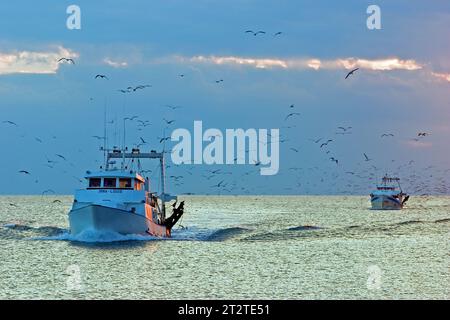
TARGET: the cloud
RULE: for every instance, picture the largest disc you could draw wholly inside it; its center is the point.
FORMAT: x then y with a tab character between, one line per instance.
33	62
309	63
442	76
115	64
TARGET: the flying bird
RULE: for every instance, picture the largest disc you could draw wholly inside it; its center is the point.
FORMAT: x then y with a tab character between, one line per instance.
351	73
277	34
387	135
24	171
255	33
173	107
61	156
367	158
169	121
219	184
291	114
101	76
10	122
69	60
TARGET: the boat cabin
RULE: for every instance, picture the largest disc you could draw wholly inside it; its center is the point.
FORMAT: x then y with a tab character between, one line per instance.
115	180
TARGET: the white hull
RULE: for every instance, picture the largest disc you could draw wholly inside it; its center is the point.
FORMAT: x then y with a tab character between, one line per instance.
102	218
384	202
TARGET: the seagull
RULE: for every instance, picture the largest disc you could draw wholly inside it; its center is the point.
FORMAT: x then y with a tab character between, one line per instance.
423	134
326	143
219	184
169	121
351	73
24	171
367	158
291	114
173	107
219	81
10	122
255	33
62	157
316	141
144	123
101	76
277	34
345	129
140	87
293	149
335	160
57	200
387	135
69	60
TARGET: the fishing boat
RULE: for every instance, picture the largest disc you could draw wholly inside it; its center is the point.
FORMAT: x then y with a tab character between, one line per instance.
388	195
121	199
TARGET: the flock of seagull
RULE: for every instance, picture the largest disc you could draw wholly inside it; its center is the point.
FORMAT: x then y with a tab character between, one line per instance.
222	181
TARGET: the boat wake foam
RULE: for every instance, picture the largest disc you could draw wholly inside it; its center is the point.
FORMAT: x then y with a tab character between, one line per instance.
95	236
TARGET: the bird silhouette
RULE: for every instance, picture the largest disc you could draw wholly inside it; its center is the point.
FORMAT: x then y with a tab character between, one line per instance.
11	122
351	73
101	76
291	114
69	60
255	33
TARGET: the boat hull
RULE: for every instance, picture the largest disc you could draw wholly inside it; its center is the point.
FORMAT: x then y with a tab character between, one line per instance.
102	218
384	202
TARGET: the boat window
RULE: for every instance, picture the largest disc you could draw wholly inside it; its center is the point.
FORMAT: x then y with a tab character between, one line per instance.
109	182
125	183
137	185
94	182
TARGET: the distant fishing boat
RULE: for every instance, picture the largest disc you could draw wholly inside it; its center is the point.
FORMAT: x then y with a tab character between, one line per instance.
121	200
388	195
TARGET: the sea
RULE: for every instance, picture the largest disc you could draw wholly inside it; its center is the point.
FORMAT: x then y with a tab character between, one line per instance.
232	247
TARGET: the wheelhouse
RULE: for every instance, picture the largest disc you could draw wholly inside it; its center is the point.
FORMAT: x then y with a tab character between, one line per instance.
107	180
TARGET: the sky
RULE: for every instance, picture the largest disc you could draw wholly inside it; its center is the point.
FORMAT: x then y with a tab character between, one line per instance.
401	89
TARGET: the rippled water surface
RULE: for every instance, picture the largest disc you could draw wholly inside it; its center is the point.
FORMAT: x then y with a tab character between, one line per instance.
302	247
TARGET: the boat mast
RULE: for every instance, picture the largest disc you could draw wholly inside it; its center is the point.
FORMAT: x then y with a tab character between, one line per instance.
104	138
163	185
123	145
